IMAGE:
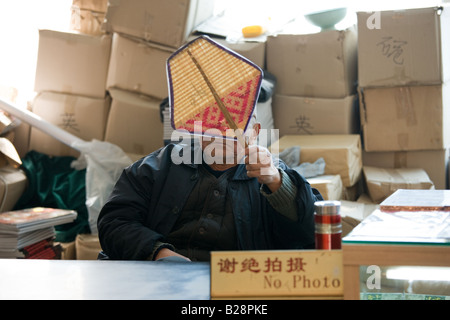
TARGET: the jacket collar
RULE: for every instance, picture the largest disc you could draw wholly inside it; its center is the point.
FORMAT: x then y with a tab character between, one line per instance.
241	173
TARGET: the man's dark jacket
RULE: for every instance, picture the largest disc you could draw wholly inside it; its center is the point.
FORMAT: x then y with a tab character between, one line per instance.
150	194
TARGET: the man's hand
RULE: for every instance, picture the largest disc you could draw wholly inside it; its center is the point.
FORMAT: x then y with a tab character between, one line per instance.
165	252
259	164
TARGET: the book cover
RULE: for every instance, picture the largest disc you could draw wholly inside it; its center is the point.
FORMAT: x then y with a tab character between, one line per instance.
38	216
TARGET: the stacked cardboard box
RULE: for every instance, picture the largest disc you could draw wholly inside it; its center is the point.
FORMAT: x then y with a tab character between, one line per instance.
87	16
136	77
105	79
168	23
145	34
316	91
341	153
118	46
385	181
255	51
316	82
134	122
139	66
403	66
85	117
70	81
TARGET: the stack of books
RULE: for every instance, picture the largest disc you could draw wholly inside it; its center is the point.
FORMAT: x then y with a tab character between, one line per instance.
407	216
29	233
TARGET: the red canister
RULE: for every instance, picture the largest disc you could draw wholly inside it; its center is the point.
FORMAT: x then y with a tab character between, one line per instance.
328	227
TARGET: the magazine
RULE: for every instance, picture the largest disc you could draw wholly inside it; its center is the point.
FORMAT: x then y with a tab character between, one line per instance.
26	220
23	229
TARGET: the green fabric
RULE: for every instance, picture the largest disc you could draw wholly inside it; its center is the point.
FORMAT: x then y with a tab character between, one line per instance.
53	183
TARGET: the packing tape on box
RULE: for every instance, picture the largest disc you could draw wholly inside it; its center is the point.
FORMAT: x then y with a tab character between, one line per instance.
404	111
404	106
66	88
309	90
400	76
310	101
403	140
69	104
113	3
148	25
397	177
95	6
400	159
86	20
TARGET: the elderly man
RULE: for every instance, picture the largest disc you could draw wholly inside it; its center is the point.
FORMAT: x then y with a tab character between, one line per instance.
230	199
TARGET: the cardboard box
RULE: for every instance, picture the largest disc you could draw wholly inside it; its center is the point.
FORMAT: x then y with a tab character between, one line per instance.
360	209
353	212
87	21
406	48
329	186
254	51
22	138
8	123
342	153
302	115
354	192
8	154
134	122
314	65
138	66
81	116
160	21
434	162
405	118
68	250
72	63
13	180
382	182
87	247
93	5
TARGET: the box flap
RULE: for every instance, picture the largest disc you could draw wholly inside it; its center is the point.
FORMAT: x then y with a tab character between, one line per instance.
382	182
342	153
9	152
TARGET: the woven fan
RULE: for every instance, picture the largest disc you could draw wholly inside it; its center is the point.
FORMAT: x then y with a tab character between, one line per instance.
214	86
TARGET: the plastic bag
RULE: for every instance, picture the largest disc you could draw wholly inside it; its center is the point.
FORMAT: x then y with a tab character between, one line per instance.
104	162
291	156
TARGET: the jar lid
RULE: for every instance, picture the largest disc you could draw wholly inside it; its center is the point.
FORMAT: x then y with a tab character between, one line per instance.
330	207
